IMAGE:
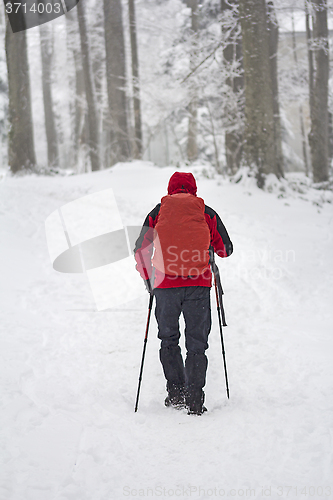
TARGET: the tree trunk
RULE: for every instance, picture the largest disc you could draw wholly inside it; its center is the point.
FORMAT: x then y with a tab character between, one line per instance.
21	152
318	136
116	79
192	147
273	29
310	57
98	56
89	89
233	139
46	45
3	96
260	148
81	123
78	104
136	84
301	114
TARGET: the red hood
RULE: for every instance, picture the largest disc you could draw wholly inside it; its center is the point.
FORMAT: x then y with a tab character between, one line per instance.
181	182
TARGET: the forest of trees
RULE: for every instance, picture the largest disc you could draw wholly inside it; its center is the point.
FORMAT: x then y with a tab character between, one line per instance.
117	74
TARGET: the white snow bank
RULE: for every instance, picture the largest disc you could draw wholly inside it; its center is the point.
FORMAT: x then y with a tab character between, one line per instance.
295	185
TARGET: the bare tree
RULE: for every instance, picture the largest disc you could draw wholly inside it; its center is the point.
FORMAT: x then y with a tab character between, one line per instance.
136	84
3	94
89	90
21	152
78	103
308	18
46	45
192	147
116	79
98	54
301	114
260	147
318	137
273	29
232	53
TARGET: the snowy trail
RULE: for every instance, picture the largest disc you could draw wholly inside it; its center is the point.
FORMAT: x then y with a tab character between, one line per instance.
69	375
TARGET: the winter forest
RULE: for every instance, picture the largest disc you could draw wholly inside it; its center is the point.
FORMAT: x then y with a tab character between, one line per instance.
99	107
225	82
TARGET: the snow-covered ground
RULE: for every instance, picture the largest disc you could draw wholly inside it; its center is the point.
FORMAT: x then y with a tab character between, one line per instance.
69	374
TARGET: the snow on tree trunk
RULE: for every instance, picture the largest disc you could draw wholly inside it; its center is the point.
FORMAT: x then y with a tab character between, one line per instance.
116	79
192	147
260	147
93	141
231	53
98	55
318	137
78	105
310	56
273	29
21	152
136	84
301	114
46	45
81	128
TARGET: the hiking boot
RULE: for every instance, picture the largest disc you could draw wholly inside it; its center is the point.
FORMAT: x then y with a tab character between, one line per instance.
176	397
196	410
195	402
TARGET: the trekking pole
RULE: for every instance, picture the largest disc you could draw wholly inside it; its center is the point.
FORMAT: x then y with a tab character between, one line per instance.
144	350
220	312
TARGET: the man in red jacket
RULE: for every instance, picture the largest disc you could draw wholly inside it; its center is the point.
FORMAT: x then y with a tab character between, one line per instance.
172	255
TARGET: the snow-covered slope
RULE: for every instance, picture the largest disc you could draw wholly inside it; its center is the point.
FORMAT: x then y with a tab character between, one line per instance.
69	374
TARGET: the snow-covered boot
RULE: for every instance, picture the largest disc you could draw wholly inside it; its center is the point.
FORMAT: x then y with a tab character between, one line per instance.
195	401
195	372
176	396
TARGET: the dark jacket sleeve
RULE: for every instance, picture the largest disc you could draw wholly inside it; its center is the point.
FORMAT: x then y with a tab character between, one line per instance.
219	237
144	245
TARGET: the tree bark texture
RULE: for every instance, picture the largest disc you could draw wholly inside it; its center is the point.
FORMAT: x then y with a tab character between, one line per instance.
78	105
310	56
233	139
273	30
301	114
98	56
192	147
21	152
260	148
93	142
81	125
50	126
116	79
136	85
318	137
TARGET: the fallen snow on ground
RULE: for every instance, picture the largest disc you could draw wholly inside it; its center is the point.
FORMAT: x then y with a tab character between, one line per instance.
69	374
